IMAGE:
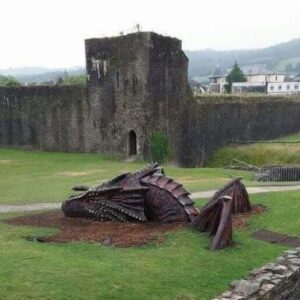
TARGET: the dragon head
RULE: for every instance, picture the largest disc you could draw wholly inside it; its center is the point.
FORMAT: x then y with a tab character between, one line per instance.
107	204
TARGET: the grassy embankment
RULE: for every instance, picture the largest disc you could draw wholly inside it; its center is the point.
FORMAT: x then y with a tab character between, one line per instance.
260	154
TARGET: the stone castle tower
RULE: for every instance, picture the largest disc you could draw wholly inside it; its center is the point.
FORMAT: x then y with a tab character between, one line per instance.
136	84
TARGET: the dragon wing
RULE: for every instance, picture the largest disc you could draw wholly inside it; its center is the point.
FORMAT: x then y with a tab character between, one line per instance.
237	191
215	219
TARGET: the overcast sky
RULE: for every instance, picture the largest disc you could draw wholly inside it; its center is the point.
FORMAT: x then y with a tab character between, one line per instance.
50	33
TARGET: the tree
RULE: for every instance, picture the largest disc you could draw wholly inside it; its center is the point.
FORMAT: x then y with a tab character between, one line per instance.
235	75
9	81
59	81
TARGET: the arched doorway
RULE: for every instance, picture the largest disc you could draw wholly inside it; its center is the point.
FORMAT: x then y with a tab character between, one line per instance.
132	143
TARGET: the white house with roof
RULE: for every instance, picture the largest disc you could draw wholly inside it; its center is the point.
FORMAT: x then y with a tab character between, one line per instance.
273	77
287	88
258	79
257	73
248	87
217	81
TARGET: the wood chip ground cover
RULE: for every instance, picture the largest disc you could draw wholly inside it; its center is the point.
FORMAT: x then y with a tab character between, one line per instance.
110	233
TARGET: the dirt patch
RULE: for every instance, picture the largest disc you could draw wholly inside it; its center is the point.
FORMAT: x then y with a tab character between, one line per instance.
79	173
240	220
7	161
187	180
107	233
72	174
110	233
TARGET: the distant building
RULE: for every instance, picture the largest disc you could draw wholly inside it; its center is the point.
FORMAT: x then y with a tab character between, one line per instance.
198	88
287	88
273	88
258	79
259	73
248	87
217	81
272	77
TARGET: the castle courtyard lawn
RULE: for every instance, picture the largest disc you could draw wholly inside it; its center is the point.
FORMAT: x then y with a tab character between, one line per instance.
36	177
181	268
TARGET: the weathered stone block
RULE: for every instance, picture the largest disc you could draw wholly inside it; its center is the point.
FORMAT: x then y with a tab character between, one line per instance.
274	281
246	287
280	269
291	252
234	283
295	261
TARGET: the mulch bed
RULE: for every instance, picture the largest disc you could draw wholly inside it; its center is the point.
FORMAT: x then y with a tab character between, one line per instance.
109	233
240	220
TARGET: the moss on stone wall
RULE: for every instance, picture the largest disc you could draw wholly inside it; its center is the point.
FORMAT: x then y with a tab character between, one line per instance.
209	122
42	117
62	118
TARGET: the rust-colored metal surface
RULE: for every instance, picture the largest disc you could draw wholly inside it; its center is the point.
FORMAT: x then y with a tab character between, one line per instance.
237	191
215	216
215	219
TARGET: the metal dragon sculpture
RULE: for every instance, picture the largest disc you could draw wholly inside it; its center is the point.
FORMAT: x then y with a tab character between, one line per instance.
149	195
215	216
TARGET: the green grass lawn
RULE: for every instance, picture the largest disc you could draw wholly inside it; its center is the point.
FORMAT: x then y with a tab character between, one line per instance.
181	268
32	177
289	138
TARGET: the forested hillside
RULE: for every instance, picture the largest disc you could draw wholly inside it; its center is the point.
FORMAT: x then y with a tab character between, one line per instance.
281	57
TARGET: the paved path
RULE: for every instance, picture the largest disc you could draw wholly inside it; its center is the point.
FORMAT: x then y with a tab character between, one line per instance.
252	190
205	194
29	207
276	238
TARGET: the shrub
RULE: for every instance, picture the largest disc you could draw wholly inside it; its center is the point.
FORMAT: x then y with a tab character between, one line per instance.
160	149
9	81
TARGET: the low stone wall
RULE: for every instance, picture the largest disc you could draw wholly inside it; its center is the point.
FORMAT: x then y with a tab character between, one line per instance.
276	281
68	118
210	123
44	118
